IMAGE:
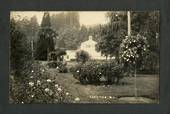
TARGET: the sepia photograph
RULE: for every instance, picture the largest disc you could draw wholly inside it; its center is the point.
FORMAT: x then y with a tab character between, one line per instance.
101	57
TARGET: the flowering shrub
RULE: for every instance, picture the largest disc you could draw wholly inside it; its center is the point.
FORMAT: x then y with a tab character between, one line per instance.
37	87
133	49
59	65
92	72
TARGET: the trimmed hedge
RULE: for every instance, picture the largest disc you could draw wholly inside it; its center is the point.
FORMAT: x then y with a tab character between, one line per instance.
92	72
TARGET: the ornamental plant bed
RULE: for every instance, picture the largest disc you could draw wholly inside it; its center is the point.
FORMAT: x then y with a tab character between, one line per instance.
37	87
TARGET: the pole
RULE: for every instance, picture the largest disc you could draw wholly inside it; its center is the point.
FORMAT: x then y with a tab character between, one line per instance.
129	23
129	33
32	47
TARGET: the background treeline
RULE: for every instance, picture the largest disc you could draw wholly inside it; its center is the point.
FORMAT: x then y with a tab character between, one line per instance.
70	33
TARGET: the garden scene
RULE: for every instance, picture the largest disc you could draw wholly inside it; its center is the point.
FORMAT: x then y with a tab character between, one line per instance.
84	57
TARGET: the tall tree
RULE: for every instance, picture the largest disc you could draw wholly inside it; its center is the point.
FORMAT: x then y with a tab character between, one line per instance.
46	35
19	50
112	34
147	24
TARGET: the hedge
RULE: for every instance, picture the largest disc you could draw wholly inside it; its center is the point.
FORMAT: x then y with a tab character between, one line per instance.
92	72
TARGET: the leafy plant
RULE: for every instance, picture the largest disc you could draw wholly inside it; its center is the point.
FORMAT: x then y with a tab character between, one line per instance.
91	72
82	56
59	65
38	87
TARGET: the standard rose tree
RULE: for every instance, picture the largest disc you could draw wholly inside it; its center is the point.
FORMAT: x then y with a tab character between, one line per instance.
132	51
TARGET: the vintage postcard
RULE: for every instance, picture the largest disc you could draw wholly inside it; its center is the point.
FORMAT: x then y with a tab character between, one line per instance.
84	57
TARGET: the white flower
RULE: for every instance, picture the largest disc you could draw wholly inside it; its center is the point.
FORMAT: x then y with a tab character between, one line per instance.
56	85
59	89
32	96
67	93
77	70
32	71
38	82
22	102
47	89
43	70
31	76
110	97
48	80
57	67
31	84
77	99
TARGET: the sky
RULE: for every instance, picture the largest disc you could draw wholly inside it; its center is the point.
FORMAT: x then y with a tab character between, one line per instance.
87	18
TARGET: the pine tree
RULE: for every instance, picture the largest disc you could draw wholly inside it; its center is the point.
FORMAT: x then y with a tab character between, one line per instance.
45	43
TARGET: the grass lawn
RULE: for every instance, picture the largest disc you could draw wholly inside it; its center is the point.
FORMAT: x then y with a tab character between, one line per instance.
147	86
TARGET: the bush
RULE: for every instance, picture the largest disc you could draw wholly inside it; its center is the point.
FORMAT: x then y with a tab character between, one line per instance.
91	73
112	72
59	65
82	56
56	55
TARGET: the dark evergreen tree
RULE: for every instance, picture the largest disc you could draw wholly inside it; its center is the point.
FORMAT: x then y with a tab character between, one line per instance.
45	43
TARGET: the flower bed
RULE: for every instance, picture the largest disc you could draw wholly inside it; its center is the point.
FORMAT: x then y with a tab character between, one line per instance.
37	87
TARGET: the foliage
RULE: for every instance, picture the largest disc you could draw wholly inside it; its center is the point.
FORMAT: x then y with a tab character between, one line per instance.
147	23
133	50
56	55
38	88
68	37
59	65
62	19
29	28
19	50
45	43
112	34
92	72
112	71
82	56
